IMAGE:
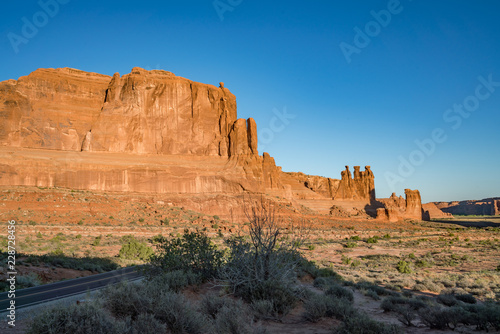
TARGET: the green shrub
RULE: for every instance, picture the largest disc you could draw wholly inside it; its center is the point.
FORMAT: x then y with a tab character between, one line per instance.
127	299
437	317
57	252
280	295
484	316
380	291
193	251
234	317
405	308
146	324
339	292
324	282
28	280
406	314
404	267
421	263
211	304
97	241
447	299
316	307
466	298
362	324
135	250
371	240
75	319
325	272
372	294
340	308
178	314
345	259
175	280
262	309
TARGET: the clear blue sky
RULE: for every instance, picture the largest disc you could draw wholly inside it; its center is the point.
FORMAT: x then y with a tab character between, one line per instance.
286	55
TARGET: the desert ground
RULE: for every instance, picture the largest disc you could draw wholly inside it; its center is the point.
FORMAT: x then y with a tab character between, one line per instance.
64	234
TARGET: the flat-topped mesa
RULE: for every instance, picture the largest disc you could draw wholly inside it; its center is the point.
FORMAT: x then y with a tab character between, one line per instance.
144	112
361	187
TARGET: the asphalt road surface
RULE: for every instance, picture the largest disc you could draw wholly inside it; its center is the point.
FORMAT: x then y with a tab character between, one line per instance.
44	293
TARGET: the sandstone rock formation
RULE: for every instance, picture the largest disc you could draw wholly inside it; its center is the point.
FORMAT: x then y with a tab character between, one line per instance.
396	208
488	206
50	109
322	186
155	132
140	113
413	204
362	187
359	188
431	211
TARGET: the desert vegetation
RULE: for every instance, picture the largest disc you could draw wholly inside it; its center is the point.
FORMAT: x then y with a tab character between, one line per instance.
375	261
243	283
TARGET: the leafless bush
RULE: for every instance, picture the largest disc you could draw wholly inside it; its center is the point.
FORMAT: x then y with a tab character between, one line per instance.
265	267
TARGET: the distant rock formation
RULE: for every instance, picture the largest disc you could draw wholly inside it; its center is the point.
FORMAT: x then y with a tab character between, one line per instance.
361	187
488	206
413	204
396	208
431	211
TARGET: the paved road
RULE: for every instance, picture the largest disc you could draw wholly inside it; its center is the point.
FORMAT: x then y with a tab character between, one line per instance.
47	292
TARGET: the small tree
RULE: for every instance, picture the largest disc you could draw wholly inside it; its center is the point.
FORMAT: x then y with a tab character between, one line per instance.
265	267
192	252
134	250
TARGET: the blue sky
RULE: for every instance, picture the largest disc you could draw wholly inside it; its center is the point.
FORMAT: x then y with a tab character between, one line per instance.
285	57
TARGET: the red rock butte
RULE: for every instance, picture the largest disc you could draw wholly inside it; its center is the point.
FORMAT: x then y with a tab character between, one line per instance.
155	132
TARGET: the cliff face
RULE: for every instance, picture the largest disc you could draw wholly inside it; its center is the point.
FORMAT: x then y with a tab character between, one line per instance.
151	131
157	112
489	206
140	113
50	109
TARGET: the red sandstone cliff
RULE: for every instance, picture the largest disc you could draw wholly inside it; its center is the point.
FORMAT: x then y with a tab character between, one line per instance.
145	113
152	131
488	206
